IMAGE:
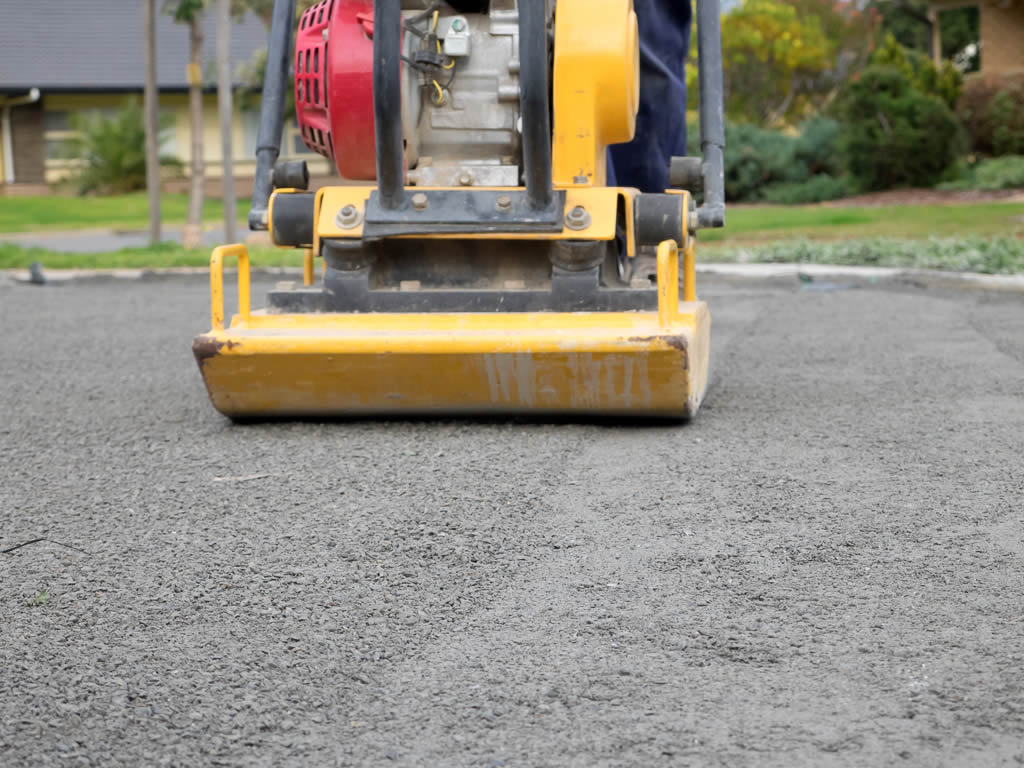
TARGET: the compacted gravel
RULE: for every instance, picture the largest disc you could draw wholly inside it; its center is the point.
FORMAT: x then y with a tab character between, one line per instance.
824	568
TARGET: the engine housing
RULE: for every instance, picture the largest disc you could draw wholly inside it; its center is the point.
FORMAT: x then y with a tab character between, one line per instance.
460	94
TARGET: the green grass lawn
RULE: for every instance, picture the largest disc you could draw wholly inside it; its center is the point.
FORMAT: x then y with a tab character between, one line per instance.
166	255
984	236
763	224
36	214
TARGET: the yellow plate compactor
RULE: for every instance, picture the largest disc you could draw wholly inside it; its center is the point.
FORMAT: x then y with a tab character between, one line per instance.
483	266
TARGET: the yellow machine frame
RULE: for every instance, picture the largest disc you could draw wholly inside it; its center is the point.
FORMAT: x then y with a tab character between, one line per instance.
652	363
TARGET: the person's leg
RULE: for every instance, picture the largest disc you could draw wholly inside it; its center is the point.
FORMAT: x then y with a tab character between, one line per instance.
661	121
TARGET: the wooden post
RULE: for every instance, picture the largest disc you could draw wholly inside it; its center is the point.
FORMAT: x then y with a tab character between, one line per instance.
151	116
226	114
193	236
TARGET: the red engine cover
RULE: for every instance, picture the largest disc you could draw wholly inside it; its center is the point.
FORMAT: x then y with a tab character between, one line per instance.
334	84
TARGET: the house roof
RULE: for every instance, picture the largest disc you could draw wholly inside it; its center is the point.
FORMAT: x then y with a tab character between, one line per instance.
97	45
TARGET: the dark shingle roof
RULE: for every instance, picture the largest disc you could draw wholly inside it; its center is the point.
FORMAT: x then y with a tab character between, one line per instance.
97	45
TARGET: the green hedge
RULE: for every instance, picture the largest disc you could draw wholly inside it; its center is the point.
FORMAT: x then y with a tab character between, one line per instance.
894	135
774	167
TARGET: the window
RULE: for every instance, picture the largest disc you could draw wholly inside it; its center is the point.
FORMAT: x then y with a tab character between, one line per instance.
291	139
59	137
61	131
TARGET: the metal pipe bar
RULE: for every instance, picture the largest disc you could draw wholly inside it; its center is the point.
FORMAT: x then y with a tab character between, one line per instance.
533	101
712	113
276	80
387	102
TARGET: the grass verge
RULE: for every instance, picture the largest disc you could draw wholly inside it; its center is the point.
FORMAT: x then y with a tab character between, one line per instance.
998	255
162	256
762	224
995	256
47	213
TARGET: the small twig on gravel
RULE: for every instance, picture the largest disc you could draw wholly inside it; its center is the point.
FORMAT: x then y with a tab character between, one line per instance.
36	541
241	479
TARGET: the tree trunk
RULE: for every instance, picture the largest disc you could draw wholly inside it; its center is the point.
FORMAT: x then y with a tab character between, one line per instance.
226	121
151	109
194	226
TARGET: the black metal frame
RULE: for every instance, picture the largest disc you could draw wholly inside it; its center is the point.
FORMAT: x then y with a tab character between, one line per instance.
349	290
542	203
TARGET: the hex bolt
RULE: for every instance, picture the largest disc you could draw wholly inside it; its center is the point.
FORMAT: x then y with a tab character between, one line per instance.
503	203
466	179
419	201
348	217
577	218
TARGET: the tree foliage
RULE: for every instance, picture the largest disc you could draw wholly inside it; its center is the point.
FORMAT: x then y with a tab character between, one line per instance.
946	82
184	11
908	22
894	135
771	55
784	60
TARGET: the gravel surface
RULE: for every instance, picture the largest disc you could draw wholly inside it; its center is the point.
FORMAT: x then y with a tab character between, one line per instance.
824	568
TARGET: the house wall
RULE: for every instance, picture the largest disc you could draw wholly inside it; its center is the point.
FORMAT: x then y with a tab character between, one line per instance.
177	142
1002	37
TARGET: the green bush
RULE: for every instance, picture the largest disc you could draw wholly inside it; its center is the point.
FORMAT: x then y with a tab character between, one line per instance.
756	158
945	83
1005	172
1006	116
815	190
763	165
816	148
992	111
894	135
113	151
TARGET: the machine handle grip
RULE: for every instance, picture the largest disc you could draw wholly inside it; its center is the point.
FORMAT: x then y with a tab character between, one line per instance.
276	82
712	113
217	283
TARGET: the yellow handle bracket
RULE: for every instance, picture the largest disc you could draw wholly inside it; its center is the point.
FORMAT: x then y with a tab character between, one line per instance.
217	283
668	283
668	280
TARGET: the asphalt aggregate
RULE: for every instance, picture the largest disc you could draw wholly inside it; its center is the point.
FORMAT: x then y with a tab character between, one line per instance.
825	567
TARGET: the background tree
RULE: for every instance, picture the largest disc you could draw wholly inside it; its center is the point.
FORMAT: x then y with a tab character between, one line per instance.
772	57
190	12
224	101
908	22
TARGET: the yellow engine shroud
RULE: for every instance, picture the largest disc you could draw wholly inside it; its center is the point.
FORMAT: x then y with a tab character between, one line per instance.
544	363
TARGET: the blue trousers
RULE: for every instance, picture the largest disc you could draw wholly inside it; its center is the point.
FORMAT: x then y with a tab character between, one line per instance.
661	121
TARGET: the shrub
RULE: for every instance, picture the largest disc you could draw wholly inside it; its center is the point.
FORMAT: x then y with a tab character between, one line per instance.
945	83
755	158
771	166
818	147
992	111
1005	172
112	151
893	135
815	190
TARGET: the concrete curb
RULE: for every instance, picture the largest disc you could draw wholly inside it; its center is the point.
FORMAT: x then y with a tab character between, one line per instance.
72	275
1014	283
870	274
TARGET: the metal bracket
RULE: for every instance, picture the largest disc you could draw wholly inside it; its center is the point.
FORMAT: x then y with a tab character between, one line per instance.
460	211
